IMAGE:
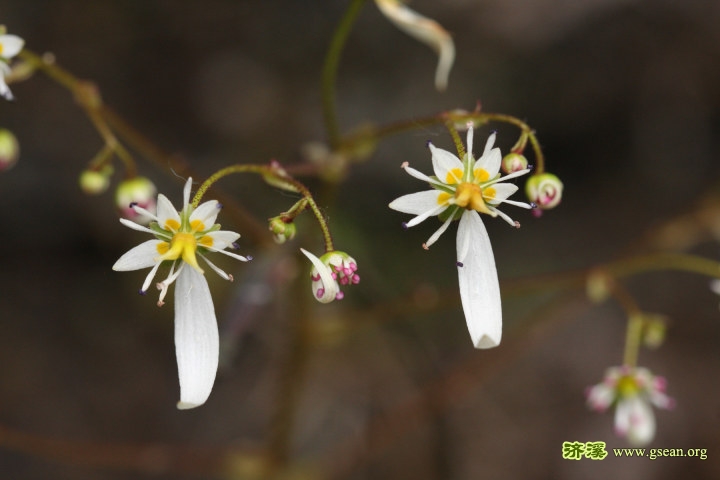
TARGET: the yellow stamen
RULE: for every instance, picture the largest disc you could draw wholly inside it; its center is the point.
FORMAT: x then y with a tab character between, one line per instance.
454	176
183	245
469	195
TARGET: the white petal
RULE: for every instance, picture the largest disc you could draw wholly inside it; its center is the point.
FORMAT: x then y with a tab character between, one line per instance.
435	236
444	163
600	397
642	422
206	212
490	162
479	287
329	284
715	286
425	30
4	89
518	173
622	417
495	212
166	211
222	239
416	203
11	45
186	192
142	256
136	226
489	143
231	254
196	338
421	176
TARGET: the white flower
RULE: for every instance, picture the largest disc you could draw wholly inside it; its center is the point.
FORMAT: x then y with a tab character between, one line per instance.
633	391
180	236
329	272
463	189
10	45
424	30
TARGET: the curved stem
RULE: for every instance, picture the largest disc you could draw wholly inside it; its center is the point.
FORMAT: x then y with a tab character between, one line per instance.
87	96
275	176
330	68
479	118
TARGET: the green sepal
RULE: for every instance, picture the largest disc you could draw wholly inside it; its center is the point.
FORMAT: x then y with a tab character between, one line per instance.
455	212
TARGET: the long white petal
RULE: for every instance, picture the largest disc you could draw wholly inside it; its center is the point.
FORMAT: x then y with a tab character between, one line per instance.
330	286
489	143
421	176
425	30
142	256
642	422
4	89
186	193
434	237
479	287
416	203
136	226
196	338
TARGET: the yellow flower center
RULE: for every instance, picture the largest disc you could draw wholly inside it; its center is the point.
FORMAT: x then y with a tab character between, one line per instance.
182	245
627	386
470	195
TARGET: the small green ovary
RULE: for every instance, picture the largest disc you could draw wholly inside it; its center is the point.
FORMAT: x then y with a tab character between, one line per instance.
627	386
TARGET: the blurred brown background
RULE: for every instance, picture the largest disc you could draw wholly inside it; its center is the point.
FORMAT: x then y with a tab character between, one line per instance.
625	97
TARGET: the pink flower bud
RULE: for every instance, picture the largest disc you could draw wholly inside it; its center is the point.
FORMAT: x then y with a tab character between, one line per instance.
136	191
544	189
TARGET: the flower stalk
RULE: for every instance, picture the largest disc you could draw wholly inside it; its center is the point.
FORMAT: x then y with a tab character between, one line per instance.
272	171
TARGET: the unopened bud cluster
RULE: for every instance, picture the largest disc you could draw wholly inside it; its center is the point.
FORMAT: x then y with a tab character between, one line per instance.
282	230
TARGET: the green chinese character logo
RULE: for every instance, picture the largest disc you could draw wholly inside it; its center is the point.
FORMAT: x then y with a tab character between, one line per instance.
573	450
595	450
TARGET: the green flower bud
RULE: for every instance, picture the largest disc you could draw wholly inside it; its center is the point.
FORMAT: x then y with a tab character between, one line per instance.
282	231
9	149
654	329
544	189
95	182
514	162
598	286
